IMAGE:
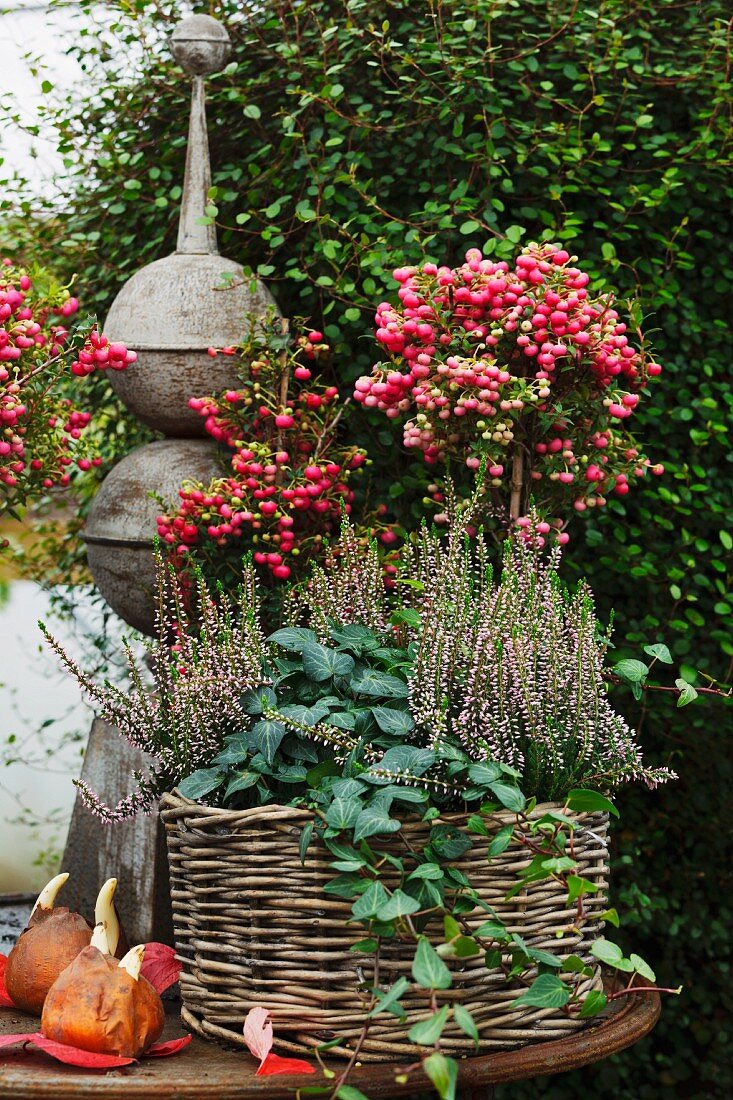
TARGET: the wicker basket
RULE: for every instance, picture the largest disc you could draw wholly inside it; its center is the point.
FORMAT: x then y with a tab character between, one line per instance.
254	927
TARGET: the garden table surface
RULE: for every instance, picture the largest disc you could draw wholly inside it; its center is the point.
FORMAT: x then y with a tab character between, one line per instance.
205	1070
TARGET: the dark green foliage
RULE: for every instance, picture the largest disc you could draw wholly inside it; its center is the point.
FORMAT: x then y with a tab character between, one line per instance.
348	138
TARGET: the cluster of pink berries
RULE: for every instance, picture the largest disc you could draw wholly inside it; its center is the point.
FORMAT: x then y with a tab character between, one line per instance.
485	359
290	477
99	354
40	429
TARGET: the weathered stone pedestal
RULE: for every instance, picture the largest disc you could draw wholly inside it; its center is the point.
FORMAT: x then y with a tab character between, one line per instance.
170	312
133	851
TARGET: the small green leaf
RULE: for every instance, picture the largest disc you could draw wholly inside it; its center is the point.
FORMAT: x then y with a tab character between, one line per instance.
201	782
427	871
343	813
607	952
393	721
642	968
610	915
546	991
367	947
372	821
660	651
257	700
584	801
443	1072
687	692
428	969
577	886
348	1092
593	1003
465	1021
306	834
510	797
398	905
252	111
321	663
370	902
389	1001
293	638
501	841
242	781
633	672
427	1032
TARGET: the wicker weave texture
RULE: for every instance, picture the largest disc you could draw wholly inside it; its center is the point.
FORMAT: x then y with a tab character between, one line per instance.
254	927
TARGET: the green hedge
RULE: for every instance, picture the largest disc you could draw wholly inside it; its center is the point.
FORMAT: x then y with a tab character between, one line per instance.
351	137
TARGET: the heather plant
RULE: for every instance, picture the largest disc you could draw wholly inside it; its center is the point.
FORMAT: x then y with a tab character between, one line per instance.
180	710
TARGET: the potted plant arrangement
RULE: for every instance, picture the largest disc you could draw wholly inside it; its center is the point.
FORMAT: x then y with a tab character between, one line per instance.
387	821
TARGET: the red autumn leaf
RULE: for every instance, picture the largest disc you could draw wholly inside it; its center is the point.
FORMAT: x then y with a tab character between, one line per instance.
5	1001
258	1032
160	966
172	1046
274	1064
73	1056
8	1040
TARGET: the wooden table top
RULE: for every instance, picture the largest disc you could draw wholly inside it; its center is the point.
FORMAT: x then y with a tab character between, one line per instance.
206	1070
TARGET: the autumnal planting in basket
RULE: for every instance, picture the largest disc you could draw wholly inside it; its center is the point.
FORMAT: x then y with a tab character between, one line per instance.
406	787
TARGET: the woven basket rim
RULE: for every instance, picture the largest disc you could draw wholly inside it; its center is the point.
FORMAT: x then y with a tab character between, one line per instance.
174	802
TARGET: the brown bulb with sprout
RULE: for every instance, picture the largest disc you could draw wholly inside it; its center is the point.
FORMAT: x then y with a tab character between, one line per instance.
102	1005
52	939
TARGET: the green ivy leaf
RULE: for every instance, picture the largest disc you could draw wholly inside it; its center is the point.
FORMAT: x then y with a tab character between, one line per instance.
370	681
593	1003
399	722
465	1022
370	902
321	663
584	801
428	969
660	651
642	968
265	736
343	813
389	1001
443	1072
398	905
201	782
632	672
258	700
687	693
546	991
242	781
372	821
306	834
427	1032
293	638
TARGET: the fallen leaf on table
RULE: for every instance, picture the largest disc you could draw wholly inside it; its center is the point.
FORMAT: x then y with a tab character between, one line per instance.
258	1037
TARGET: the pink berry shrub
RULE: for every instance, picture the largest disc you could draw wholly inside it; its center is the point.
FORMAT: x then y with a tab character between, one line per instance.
289	479
523	371
40	430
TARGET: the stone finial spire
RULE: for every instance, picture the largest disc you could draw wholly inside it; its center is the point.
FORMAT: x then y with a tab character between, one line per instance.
200	45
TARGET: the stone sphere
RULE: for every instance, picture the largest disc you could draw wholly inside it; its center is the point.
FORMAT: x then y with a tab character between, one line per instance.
200	45
121	524
170	312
